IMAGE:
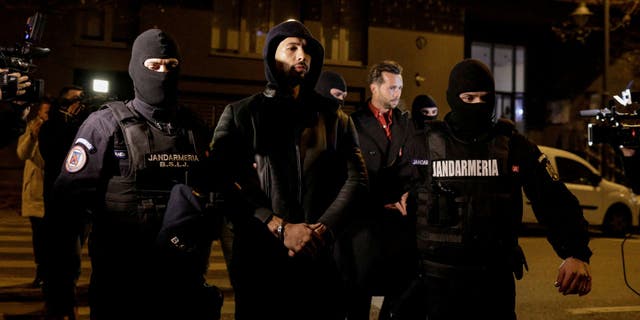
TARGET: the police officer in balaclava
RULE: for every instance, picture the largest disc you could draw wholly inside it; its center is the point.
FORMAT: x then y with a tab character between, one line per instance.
155	68
124	160
331	85
423	109
471	97
469	176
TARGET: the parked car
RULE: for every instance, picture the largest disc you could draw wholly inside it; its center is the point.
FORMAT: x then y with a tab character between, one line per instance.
609	205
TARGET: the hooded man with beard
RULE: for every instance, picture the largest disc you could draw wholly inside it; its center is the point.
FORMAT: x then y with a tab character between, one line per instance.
123	162
290	159
466	198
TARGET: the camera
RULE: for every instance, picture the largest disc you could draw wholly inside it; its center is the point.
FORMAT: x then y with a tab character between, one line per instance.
19	58
618	125
78	108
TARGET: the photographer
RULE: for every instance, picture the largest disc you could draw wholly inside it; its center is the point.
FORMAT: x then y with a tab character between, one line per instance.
8	91
631	172
56	136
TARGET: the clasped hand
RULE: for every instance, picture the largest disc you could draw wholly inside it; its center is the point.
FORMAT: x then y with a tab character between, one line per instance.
304	238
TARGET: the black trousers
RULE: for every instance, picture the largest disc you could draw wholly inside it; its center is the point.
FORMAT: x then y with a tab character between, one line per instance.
38	241
132	278
268	284
473	295
376	257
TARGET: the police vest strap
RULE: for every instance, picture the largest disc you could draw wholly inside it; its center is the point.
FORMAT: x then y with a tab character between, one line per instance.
121	112
505	127
133	128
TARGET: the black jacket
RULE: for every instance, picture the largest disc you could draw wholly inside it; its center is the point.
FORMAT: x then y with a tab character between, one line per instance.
297	157
306	170
553	204
381	155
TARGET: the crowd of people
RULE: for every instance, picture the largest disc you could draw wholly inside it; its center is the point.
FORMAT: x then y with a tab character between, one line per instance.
320	210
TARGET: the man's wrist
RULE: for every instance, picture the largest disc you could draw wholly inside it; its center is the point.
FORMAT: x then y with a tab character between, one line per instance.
281	229
276	226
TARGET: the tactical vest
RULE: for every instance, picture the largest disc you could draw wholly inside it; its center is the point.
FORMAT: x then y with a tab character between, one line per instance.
151	162
467	208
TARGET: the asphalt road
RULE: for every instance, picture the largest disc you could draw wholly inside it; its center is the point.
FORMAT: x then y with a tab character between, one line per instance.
609	299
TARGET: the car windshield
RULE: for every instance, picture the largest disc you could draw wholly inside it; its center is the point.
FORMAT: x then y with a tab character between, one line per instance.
571	171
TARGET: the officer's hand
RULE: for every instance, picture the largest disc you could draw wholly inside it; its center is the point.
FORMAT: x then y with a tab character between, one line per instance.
573	277
319	230
628	152
400	206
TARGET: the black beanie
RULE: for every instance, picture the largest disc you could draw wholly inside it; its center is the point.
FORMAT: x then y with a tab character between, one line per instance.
158	89
470	75
329	80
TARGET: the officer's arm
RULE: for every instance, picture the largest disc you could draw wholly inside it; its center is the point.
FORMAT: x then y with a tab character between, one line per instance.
74	190
354	186
553	204
231	167
87	161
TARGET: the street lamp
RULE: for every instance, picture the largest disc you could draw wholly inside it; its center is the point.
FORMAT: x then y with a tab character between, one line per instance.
579	30
581	15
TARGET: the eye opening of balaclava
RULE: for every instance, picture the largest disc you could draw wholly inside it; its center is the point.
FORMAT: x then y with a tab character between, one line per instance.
158	89
329	80
471	75
420	102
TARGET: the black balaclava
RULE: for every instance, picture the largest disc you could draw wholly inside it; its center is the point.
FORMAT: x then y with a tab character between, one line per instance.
158	89
329	80
419	102
291	28
469	119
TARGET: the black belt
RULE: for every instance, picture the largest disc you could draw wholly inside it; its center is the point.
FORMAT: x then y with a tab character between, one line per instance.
441	270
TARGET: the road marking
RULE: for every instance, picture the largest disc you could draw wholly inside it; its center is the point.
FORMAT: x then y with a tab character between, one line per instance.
26	238
619	240
604	310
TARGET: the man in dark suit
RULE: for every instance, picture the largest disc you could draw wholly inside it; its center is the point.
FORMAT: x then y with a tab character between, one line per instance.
381	245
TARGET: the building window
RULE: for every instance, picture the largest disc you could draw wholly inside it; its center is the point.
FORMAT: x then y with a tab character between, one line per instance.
339	25
507	65
107	25
239	27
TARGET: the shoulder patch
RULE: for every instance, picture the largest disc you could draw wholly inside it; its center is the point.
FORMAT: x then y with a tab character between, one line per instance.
76	159
86	143
549	167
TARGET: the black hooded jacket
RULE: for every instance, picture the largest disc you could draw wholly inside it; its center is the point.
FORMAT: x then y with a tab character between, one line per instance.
297	158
